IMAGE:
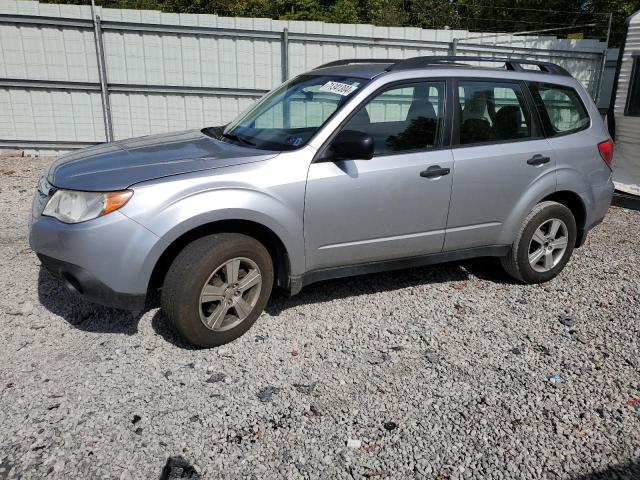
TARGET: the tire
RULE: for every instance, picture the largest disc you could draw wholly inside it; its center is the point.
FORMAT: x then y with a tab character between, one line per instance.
214	262
541	222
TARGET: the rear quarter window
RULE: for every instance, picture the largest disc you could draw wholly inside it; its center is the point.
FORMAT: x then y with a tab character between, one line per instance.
561	109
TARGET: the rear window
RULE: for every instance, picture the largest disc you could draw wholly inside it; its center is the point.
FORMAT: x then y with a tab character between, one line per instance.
561	109
492	111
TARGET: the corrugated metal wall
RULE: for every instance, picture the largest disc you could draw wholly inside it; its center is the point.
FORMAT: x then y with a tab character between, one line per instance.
225	63
627	154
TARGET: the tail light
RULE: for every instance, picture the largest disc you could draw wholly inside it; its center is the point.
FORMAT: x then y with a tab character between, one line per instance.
606	152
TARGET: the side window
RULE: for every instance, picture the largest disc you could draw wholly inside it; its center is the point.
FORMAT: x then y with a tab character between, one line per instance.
492	112
402	118
633	97
560	108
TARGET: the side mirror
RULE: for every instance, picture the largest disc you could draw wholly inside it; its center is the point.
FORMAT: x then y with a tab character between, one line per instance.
352	145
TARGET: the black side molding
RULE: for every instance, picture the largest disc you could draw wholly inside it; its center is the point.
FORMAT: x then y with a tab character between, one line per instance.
296	283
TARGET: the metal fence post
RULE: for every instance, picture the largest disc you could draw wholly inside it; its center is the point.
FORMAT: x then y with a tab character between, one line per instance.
102	75
603	66
285	54
454	47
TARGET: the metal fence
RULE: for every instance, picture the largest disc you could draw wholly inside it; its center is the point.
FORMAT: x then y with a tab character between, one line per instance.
71	77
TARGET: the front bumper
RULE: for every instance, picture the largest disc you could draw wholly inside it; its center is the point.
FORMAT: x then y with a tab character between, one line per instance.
106	260
81	282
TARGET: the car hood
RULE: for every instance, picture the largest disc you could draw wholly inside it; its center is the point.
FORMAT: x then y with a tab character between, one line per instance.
118	165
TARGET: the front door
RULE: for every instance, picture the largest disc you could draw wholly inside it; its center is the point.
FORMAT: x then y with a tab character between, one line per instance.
499	153
394	205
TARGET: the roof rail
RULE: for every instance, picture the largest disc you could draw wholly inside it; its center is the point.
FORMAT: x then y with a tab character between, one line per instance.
339	63
515	64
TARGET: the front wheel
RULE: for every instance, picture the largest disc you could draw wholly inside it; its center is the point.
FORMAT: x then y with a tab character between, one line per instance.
217	287
543	245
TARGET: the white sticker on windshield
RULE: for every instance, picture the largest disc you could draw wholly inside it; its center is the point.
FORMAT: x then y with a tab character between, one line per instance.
343	89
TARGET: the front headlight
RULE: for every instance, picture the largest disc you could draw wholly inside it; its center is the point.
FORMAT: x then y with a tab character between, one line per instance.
70	206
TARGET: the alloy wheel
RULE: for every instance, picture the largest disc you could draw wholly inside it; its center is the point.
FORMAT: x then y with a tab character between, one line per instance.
230	294
548	245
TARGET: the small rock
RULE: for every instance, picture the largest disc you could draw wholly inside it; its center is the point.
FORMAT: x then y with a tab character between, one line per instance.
178	468
385	357
543	349
568	320
136	419
266	394
555	378
432	357
27	308
216	377
305	389
388	426
354	443
577	337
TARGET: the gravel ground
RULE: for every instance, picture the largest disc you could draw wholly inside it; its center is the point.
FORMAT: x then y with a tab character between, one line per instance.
444	372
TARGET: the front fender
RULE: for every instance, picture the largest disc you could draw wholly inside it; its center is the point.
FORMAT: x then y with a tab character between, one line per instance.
205	208
269	193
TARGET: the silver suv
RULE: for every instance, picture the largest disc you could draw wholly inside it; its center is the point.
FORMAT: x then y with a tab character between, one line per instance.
355	167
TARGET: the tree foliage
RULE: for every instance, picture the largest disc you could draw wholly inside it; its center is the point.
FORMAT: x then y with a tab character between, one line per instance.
568	16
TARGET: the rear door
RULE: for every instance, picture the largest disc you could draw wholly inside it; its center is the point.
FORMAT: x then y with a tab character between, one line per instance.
499	151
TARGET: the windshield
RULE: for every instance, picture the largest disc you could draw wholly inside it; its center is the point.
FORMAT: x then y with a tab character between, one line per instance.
289	116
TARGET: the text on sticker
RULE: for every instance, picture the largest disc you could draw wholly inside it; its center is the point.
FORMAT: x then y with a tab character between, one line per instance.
343	89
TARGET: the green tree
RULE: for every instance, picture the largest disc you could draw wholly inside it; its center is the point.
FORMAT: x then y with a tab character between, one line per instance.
475	15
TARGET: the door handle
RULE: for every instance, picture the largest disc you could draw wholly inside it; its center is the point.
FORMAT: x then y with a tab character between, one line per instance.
538	160
435	171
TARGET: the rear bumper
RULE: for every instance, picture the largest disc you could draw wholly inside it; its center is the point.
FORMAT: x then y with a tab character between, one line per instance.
81	282
599	206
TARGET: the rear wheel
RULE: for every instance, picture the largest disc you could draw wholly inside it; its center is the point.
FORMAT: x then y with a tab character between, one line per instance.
543	245
217	287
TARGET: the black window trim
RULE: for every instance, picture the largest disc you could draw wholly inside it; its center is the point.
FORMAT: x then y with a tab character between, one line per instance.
544	112
320	155
635	69
536	128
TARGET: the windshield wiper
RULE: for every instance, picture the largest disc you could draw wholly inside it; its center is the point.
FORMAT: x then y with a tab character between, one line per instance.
235	137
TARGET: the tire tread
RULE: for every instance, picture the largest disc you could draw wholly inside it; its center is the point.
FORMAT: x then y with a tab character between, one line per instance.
510	261
189	261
